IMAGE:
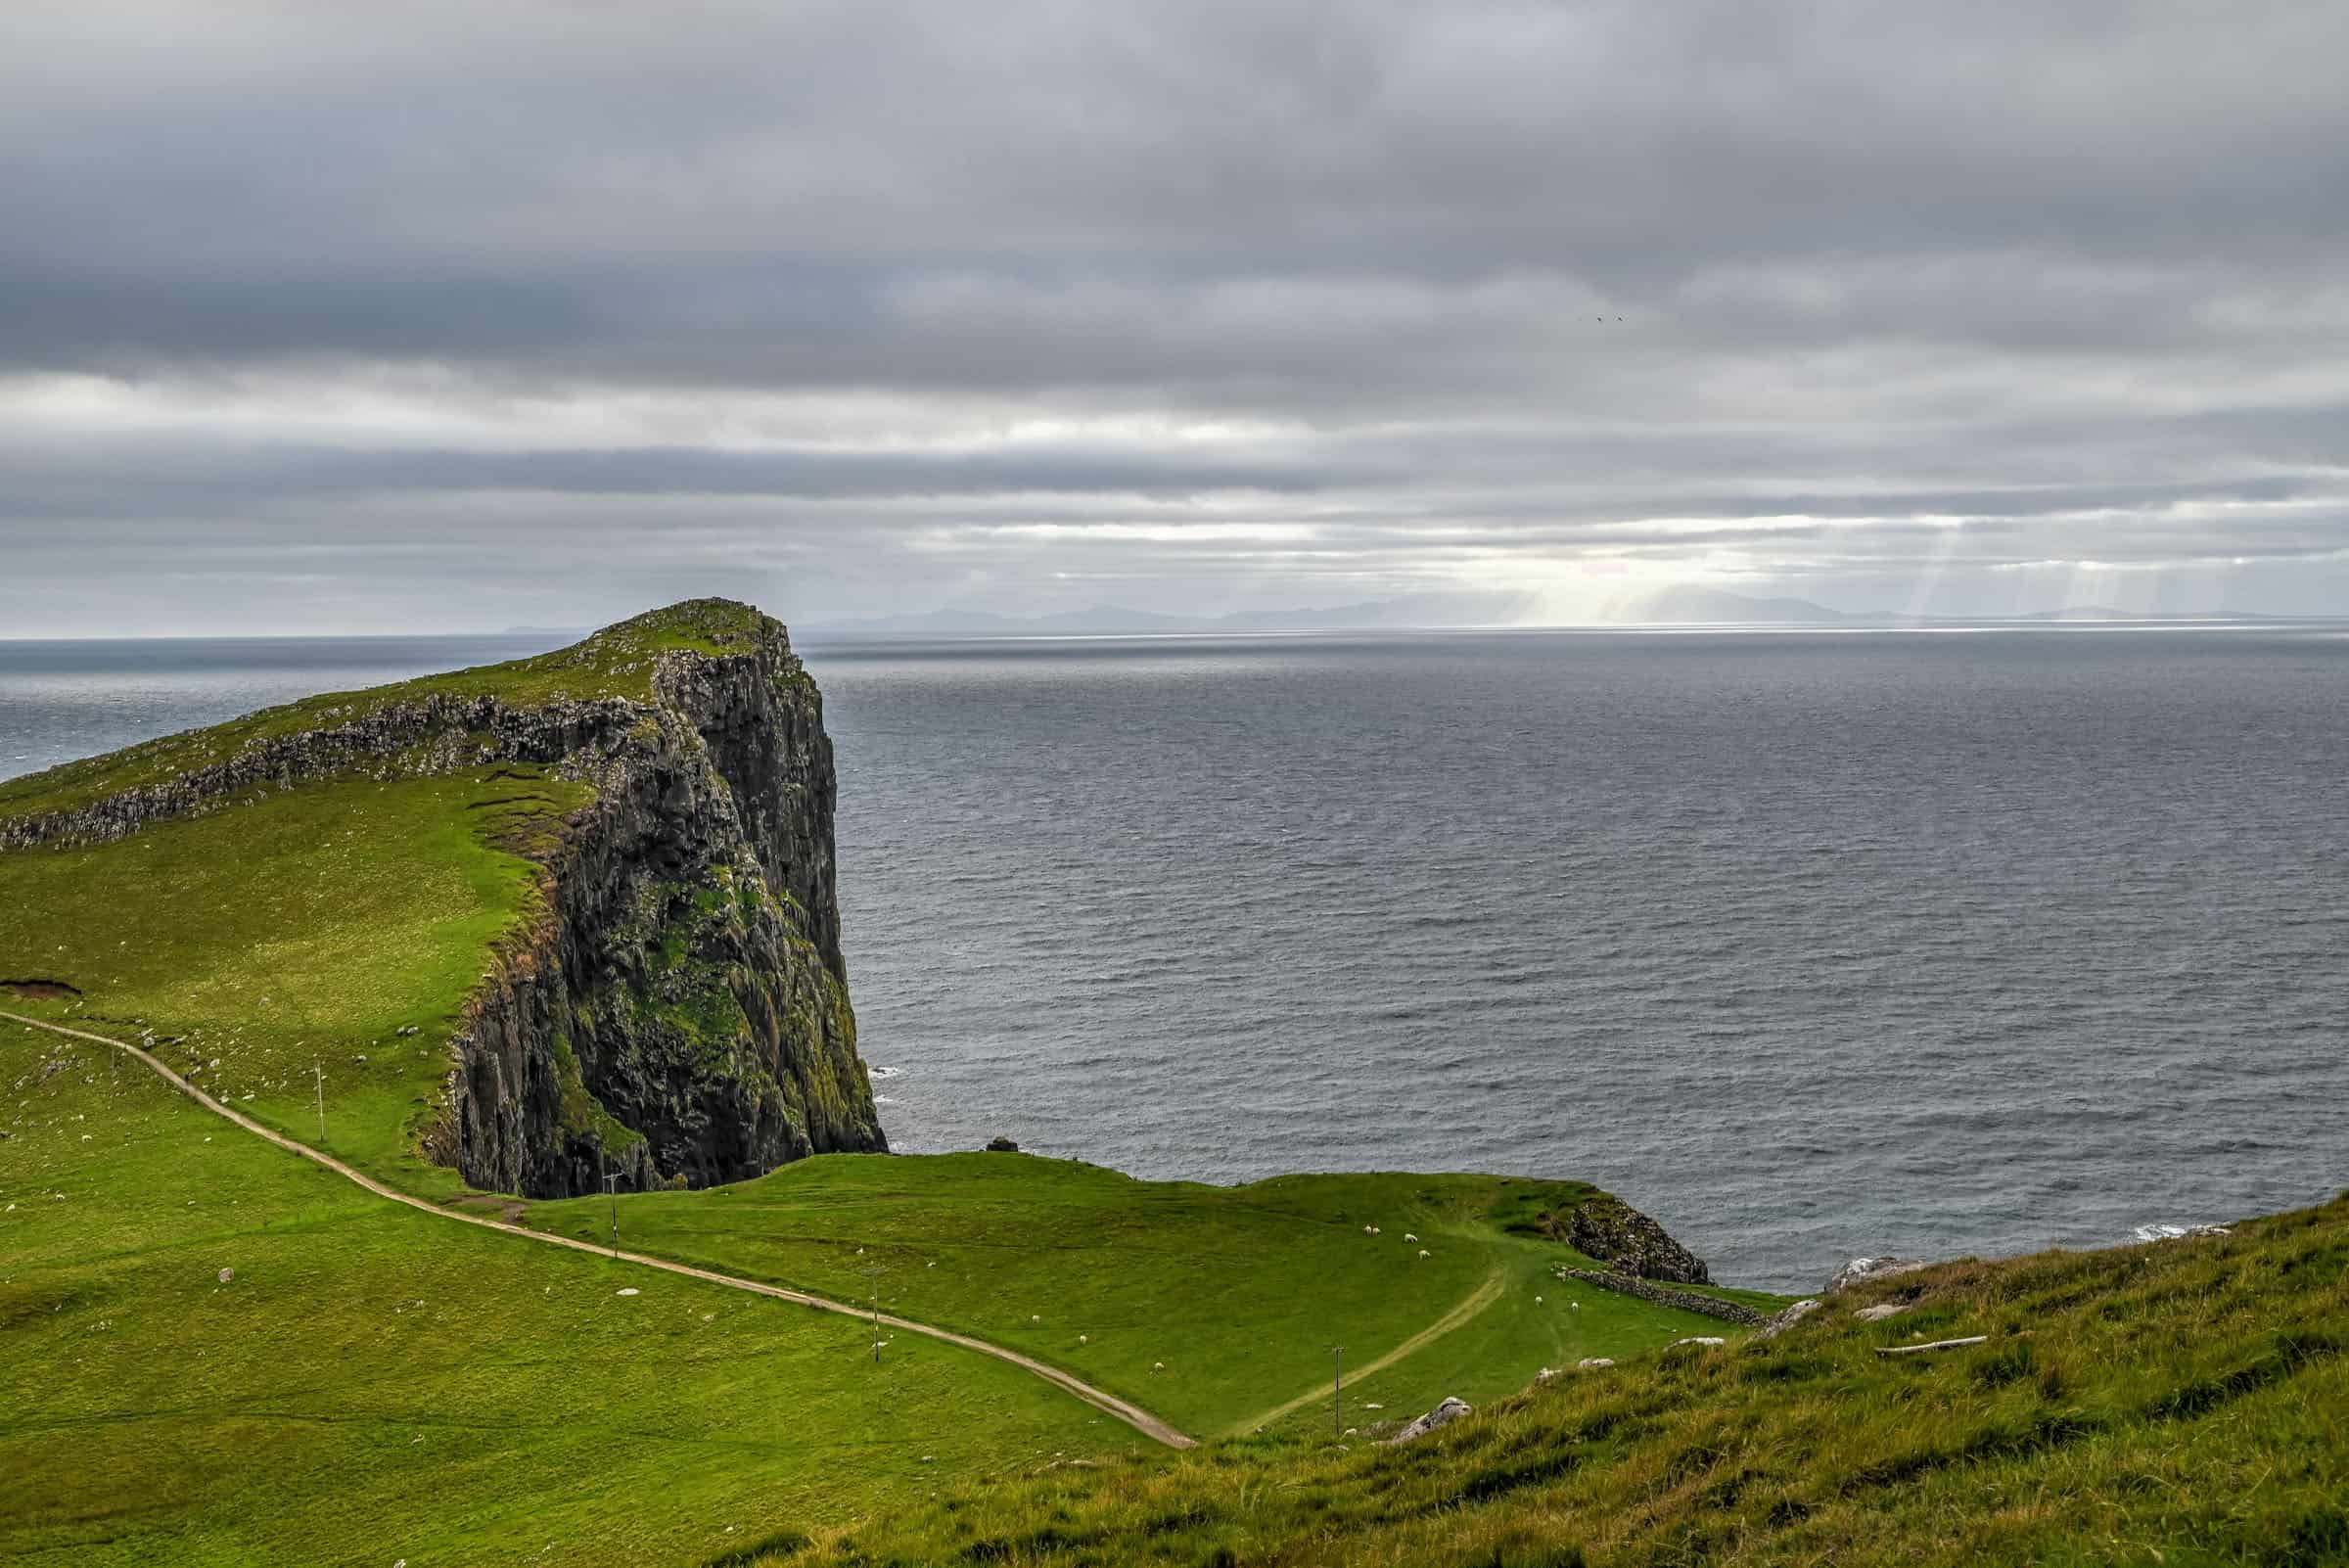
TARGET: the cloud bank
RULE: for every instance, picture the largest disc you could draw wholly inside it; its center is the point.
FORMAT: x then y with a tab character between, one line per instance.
316	317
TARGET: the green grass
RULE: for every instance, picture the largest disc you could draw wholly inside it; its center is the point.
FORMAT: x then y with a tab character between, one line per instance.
1209	1306
2183	1405
616	661
376	1384
301	927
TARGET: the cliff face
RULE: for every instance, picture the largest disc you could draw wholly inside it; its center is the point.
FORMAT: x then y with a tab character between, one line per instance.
681	1014
678	1011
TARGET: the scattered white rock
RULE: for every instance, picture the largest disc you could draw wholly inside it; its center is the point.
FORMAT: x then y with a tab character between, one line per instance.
1882	1310
1443	1414
227	1274
625	1290
2168	1233
1697	1339
1370	1406
1592	1364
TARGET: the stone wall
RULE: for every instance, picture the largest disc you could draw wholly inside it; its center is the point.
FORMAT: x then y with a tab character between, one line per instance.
1687	1301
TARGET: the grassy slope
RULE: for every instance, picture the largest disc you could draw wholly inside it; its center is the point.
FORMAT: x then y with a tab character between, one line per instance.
1238	1291
616	661
306	926
2185	1403
376	1384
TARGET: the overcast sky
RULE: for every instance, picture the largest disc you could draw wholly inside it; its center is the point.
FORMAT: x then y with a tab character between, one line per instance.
321	316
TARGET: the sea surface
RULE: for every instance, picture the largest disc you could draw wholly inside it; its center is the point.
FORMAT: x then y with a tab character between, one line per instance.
1808	943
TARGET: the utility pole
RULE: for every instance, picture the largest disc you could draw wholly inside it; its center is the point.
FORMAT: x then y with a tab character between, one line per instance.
319	1073
1337	1392
611	1186
873	1276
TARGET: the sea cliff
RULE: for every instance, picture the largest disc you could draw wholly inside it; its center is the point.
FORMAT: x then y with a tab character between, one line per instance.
674	1009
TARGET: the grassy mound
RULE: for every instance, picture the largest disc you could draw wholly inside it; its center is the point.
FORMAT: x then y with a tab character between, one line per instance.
2181	1403
1214	1307
372	1384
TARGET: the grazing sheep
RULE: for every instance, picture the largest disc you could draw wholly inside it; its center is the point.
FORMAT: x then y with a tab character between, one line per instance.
1083	1339
1407	1236
1423	1252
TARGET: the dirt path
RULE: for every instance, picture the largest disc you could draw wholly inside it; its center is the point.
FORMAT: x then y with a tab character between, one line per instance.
1132	1415
1476	1300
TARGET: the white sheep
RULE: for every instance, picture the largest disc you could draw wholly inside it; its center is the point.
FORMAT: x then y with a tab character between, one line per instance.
1407	1236
1423	1252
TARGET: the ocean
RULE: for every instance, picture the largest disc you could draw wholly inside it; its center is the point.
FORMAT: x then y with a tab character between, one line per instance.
1808	943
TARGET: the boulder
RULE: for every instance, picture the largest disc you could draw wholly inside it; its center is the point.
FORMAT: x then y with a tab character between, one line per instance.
1002	1146
1882	1310
1443	1414
1788	1319
1864	1269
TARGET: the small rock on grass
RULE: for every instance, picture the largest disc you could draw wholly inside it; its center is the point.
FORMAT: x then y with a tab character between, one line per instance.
1443	1414
1787	1319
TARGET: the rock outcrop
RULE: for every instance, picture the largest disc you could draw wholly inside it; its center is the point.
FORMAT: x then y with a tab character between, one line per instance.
1611	1230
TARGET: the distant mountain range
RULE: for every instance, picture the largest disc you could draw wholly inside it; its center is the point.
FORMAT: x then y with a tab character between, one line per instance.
1411	612
1689	605
1685	604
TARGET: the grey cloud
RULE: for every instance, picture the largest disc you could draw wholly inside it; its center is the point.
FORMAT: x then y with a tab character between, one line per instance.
1354	272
